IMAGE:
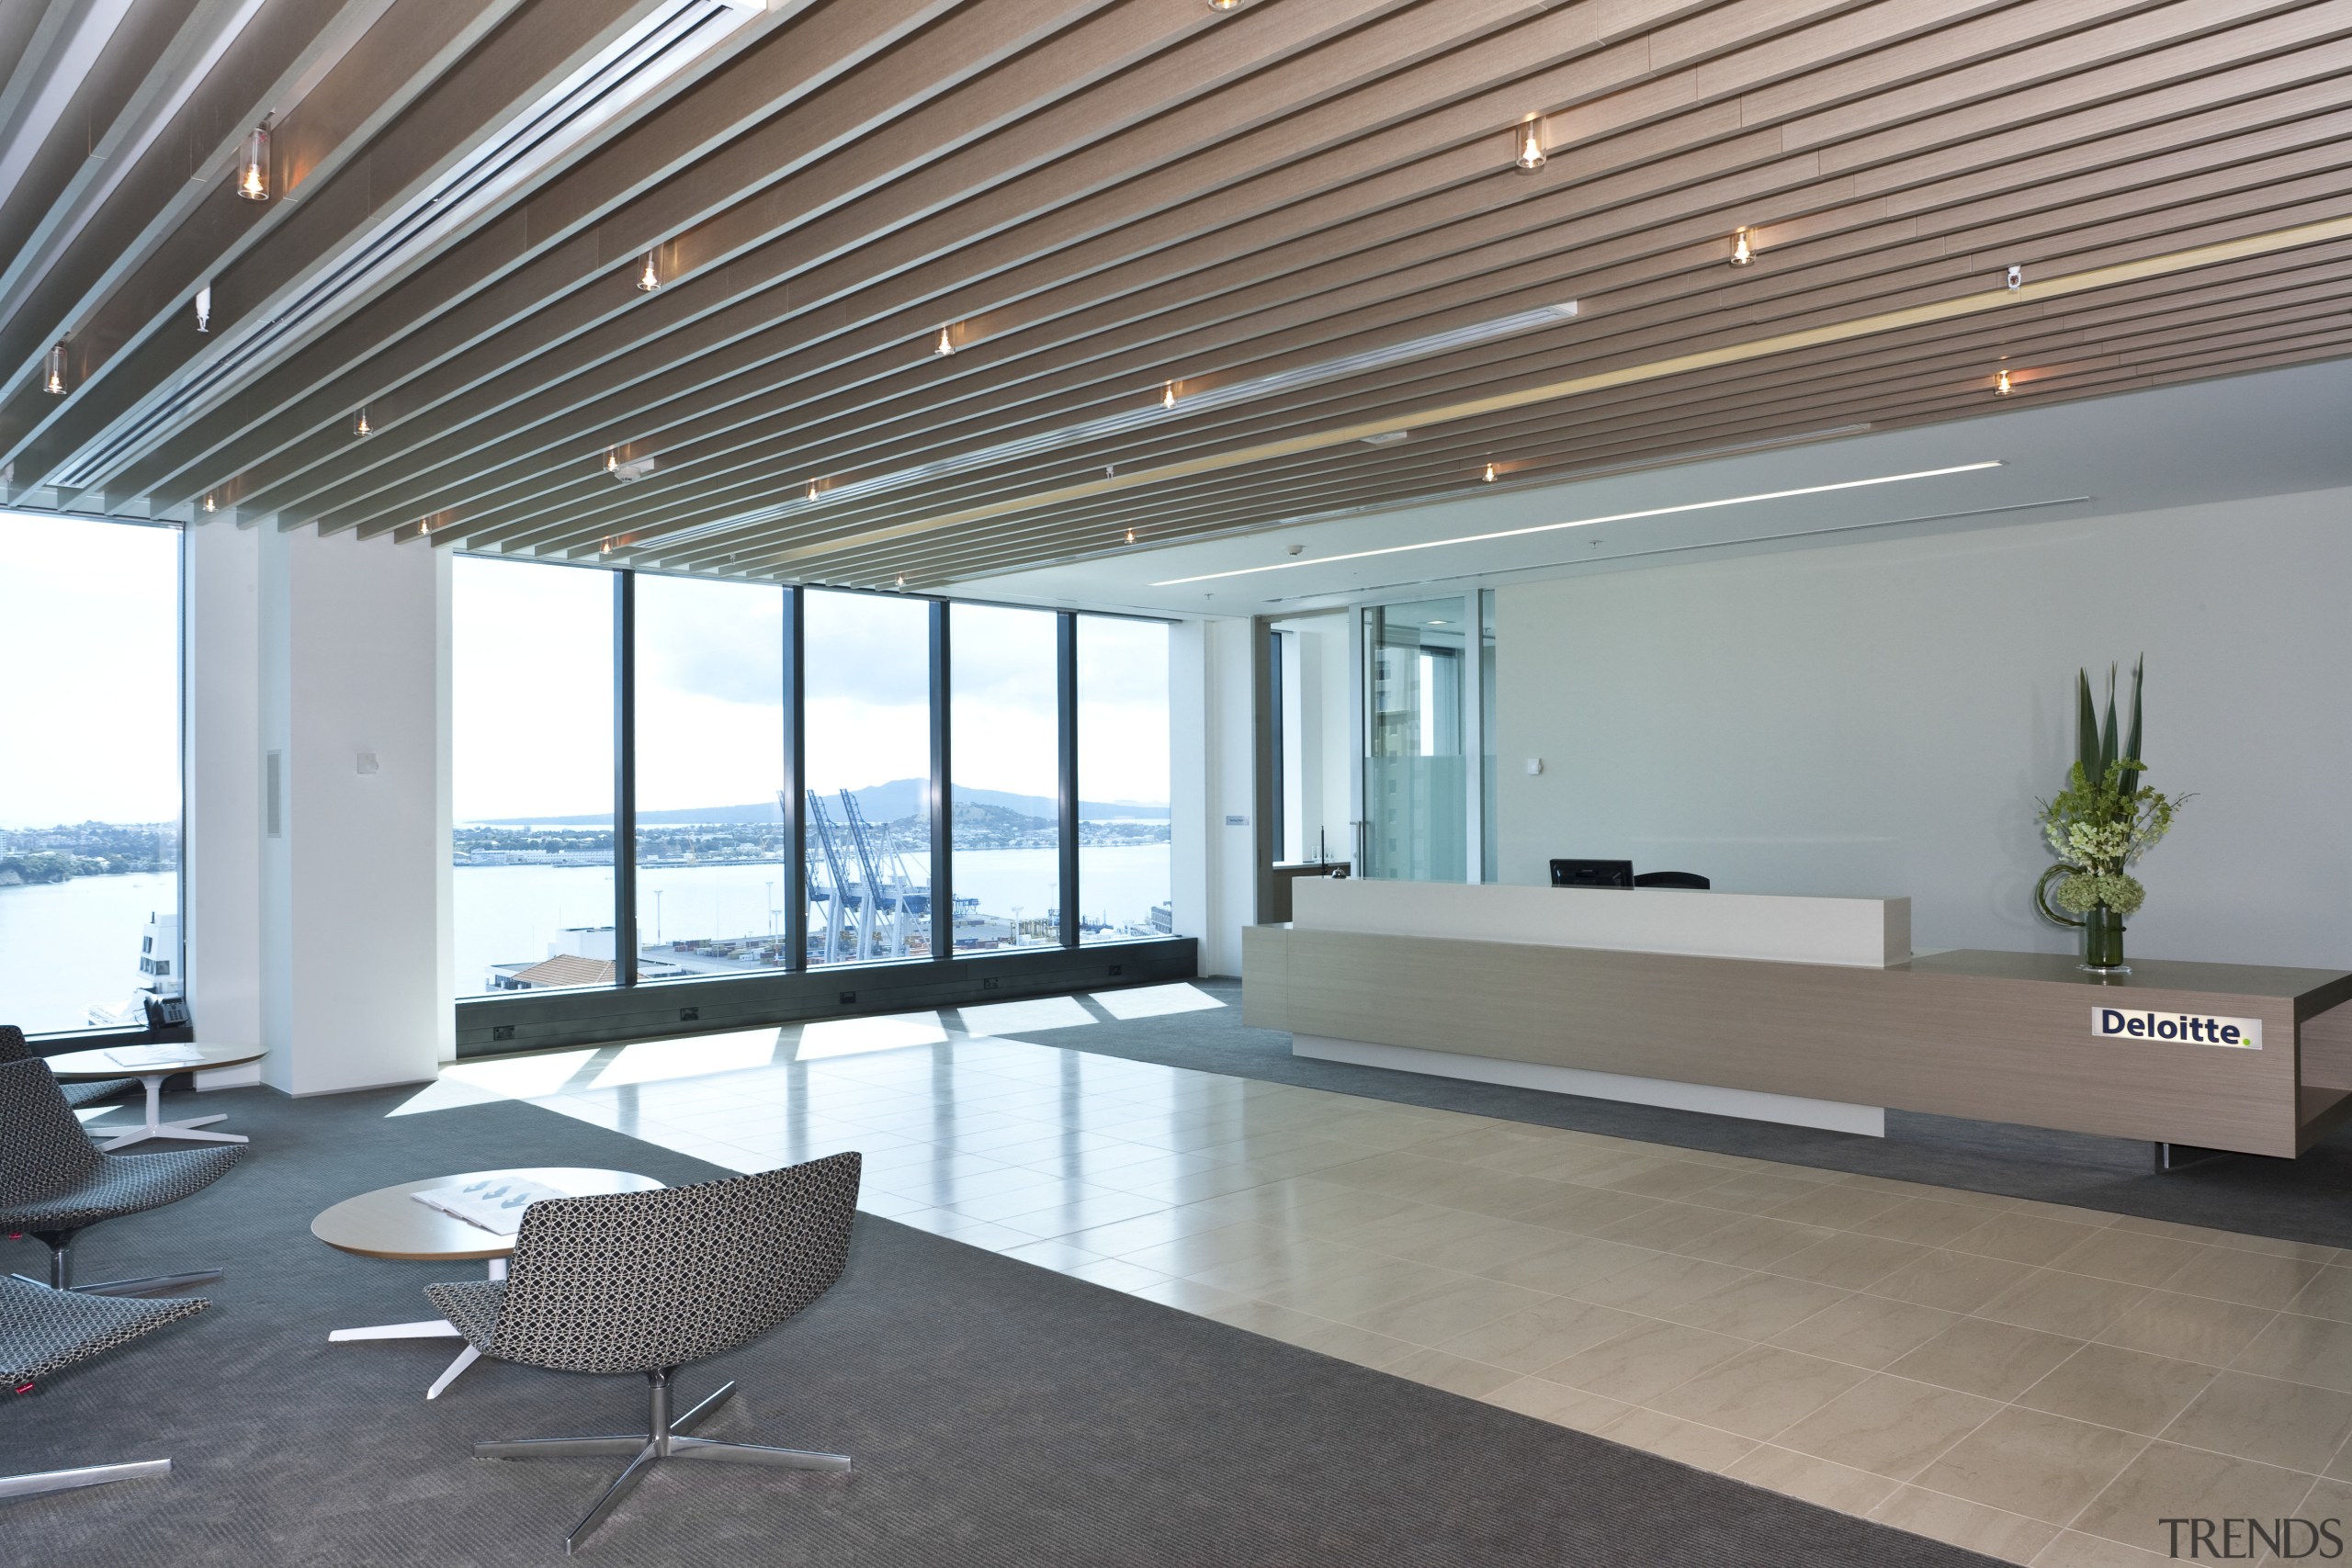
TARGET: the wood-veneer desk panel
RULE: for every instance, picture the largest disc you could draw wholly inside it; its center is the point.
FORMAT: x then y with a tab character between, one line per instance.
2001	1037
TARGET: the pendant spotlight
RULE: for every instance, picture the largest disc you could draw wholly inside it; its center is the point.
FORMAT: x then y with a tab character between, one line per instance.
946	345
1131	536
1168	396
204	308
816	488
1742	253
2000	383
1489	477
1529	140
1225	5
53	372
209	504
648	277
360	425
253	165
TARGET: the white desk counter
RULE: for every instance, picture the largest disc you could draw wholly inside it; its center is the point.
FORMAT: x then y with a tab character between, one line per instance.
1808	1011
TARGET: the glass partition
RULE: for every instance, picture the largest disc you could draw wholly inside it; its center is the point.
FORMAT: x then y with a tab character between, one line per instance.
532	775
710	768
1415	770
1125	883
90	783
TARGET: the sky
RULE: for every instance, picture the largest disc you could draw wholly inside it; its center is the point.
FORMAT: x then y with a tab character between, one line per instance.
89	724
89	714
533	698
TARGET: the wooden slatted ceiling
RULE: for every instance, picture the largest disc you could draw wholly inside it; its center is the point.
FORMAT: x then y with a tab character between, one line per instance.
1098	197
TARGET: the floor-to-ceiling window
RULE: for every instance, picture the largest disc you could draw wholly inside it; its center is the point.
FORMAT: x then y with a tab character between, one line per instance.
1004	679
866	745
532	775
784	750
711	859
89	772
1125	878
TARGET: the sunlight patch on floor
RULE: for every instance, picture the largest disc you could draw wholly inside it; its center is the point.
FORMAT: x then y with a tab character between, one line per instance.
483	1083
858	1036
1019	1018
653	1060
1155	1002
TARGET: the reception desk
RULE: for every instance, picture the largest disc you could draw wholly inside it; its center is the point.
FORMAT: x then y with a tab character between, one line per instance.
1811	1011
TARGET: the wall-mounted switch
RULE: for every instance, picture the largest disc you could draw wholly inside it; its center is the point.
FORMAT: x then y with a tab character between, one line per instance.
1534	766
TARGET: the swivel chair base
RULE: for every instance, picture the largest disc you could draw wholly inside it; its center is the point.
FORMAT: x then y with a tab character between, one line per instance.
88	1475
60	1272
664	1438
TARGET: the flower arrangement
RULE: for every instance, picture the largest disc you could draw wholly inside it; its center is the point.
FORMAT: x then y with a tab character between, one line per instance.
2100	825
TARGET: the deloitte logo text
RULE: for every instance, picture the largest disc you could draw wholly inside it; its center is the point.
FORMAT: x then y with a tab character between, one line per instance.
2182	1028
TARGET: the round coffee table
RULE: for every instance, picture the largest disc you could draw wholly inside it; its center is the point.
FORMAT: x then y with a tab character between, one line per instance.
387	1223
147	1065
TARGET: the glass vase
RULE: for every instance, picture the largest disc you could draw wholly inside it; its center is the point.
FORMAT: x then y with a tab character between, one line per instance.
2103	942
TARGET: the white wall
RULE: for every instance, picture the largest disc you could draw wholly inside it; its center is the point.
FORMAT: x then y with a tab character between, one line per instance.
1211	758
1879	719
328	943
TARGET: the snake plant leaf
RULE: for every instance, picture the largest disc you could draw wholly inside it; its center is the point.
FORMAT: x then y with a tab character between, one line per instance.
2131	744
2107	752
2086	726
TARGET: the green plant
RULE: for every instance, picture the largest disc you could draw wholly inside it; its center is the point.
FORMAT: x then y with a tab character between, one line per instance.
2105	819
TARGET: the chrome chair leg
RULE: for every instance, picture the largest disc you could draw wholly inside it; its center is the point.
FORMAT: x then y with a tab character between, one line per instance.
664	1438
151	1285
87	1475
755	1454
625	1484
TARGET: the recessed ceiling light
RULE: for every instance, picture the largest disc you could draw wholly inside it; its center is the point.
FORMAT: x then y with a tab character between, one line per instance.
1588	521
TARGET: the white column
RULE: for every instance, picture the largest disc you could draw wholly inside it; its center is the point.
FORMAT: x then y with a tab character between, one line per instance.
330	936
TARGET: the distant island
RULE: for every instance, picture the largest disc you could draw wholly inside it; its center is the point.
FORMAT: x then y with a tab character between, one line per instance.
881	803
30	855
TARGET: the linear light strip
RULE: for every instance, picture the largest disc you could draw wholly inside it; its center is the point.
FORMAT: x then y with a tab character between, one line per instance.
1701	545
1582	523
1729	354
1216	397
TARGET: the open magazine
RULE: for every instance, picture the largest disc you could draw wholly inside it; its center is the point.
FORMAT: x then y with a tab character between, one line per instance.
153	1055
495	1205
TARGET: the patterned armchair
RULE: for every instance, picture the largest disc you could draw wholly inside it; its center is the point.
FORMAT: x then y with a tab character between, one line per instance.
648	1281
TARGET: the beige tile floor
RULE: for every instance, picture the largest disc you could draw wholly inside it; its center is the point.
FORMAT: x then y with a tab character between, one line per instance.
2040	1383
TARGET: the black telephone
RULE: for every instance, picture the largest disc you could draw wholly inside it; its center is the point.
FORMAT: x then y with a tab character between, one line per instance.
166	1012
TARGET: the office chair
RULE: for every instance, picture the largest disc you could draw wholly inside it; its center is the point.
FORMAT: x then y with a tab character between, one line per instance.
54	1185
79	1096
44	1331
648	1281
1672	879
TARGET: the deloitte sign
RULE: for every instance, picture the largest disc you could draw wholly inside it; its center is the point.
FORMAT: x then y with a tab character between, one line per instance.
2186	1028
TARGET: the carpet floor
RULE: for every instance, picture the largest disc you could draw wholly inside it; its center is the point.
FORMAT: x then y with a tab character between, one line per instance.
2303	1200
1001	1414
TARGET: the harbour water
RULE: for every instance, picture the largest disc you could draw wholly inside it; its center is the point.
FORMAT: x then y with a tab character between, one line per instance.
67	946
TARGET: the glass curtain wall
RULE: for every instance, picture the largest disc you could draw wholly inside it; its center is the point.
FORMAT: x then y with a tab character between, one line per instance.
868	745
710	726
711	881
1125	878
532	775
1416	773
90	787
1005	707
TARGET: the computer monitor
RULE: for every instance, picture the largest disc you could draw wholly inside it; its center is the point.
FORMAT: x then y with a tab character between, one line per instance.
1592	873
